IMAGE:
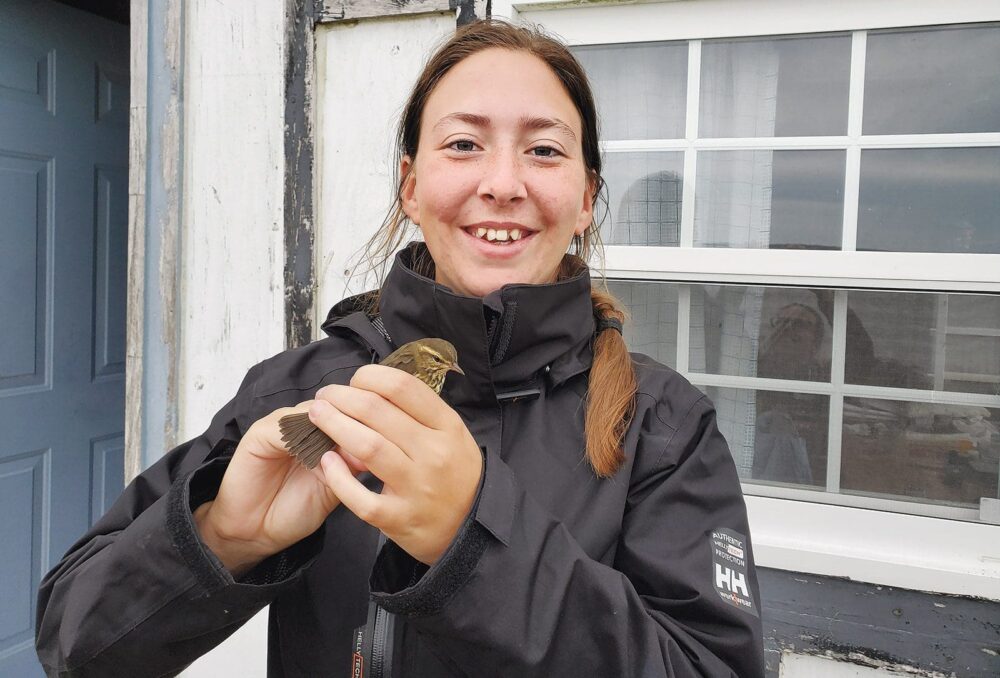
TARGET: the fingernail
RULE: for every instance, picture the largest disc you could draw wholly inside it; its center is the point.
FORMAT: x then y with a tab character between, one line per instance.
319	393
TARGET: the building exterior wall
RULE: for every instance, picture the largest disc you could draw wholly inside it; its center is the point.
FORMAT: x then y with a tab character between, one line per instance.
233	310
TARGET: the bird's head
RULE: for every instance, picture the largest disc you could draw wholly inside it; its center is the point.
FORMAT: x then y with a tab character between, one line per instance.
427	359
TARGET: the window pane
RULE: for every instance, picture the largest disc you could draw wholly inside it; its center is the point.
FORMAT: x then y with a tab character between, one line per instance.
651	327
923	451
777	87
641	89
930	200
644	198
774	332
769	199
933	81
944	342
775	437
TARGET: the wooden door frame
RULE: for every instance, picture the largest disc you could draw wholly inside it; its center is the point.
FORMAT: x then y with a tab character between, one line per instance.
155	198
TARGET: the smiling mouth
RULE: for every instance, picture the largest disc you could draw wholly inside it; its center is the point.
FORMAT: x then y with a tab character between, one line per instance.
498	236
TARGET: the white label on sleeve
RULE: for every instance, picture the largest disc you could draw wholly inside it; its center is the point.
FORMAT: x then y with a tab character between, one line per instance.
729	569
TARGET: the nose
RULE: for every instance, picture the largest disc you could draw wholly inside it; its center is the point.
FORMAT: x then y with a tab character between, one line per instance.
502	182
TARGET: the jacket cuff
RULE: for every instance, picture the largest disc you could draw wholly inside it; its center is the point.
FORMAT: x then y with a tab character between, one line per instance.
202	485
402	585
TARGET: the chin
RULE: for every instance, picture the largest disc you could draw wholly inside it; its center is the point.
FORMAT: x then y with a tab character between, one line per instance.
485	284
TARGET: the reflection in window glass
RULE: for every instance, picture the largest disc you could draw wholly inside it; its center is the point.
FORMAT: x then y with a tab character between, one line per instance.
944	342
939	80
930	200
651	327
640	89
644	199
922	451
770	199
794	86
775	437
773	332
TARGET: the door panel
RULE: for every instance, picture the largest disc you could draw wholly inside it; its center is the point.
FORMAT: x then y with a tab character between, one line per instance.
63	230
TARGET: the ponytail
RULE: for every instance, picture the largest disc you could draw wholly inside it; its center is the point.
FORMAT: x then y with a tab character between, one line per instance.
612	389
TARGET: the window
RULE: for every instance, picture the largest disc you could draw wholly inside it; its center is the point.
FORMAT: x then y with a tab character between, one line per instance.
803	218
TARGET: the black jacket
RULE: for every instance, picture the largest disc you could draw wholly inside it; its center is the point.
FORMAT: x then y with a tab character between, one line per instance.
554	573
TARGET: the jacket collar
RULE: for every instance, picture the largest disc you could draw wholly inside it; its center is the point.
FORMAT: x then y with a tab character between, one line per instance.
511	338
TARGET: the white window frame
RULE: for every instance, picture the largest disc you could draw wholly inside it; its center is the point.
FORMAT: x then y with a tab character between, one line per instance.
867	540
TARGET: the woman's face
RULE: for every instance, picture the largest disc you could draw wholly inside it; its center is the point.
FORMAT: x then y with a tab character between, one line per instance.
498	186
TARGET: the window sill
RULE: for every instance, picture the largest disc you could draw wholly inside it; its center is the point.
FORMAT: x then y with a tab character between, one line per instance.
878	547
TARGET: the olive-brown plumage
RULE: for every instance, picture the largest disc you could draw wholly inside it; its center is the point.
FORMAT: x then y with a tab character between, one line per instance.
429	360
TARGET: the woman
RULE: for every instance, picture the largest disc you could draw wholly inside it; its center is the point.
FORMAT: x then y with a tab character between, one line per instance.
523	537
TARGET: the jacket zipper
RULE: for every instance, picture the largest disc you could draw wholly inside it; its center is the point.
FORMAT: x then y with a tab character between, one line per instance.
378	643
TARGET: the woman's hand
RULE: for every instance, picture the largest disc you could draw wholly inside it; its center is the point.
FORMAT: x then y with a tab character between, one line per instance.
396	426
267	501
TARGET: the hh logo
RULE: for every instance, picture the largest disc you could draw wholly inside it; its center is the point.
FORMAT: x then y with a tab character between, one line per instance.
734	582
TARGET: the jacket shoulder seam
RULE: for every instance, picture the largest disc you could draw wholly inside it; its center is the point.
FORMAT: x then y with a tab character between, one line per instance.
673	435
657	414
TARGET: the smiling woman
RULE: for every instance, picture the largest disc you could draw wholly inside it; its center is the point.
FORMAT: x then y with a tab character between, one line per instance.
498	186
562	508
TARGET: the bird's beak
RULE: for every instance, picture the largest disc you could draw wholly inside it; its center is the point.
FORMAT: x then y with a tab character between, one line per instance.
456	368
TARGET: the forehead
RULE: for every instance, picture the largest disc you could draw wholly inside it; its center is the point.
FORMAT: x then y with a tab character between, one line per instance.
503	85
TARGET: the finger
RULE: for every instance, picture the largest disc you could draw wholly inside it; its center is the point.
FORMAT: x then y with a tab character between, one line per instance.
379	455
361	501
263	439
375	412
408	394
355	464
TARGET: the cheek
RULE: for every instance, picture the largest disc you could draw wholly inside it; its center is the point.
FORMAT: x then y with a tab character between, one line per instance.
443	191
560	199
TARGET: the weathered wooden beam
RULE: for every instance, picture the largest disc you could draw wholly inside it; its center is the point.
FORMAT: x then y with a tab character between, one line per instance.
299	274
138	30
329	11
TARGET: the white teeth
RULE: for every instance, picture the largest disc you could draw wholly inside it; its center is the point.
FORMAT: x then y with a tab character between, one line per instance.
502	235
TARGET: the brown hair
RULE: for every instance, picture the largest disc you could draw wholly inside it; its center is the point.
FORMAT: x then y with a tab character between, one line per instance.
612	388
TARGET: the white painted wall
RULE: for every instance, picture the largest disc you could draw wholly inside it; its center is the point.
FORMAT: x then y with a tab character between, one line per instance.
232	232
364	72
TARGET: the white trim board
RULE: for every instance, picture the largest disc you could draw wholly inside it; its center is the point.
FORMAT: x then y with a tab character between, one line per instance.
883	270
879	547
589	22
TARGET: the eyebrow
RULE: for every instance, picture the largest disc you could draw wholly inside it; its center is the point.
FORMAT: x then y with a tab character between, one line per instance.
527	122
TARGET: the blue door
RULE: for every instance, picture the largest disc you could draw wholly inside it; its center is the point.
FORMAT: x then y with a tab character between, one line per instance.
64	90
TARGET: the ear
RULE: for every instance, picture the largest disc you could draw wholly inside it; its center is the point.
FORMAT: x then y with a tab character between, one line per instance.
408	189
586	216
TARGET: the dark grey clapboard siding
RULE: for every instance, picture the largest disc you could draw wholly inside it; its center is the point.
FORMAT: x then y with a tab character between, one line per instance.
878	626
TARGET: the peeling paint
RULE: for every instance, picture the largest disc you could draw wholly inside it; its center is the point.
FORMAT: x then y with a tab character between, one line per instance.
299	267
338	11
879	627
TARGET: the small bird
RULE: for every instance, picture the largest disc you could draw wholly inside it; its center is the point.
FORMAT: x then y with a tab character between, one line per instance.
429	360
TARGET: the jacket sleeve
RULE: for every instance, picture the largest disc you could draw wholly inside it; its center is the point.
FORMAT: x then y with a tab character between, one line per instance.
678	601
139	594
